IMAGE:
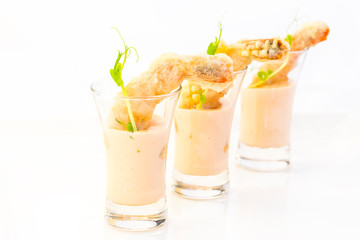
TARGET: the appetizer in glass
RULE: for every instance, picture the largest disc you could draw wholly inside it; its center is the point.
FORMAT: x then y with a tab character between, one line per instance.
203	120
266	104
136	121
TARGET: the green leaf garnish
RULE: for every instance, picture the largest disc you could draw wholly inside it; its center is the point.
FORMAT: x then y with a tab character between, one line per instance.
116	74
289	39
262	75
128	126
214	45
202	98
120	122
265	75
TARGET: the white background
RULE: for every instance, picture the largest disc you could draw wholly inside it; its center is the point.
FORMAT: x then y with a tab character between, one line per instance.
50	51
51	168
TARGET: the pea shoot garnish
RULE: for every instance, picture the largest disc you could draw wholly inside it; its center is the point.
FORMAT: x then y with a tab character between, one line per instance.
202	98
116	74
128	126
214	45
289	39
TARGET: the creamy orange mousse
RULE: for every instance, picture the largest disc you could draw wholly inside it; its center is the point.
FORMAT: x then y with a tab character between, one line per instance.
266	115
202	140
136	164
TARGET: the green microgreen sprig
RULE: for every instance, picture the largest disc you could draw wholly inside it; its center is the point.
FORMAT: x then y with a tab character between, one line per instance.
116	74
202	98
214	45
263	76
289	39
128	126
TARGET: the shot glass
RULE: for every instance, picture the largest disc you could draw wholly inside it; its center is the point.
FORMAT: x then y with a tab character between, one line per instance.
202	138
265	120
136	161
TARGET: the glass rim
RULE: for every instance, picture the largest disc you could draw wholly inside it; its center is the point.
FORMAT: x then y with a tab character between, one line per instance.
151	97
240	71
300	51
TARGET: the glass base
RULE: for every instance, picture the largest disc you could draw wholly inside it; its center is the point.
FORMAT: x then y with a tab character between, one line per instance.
136	218
200	187
263	159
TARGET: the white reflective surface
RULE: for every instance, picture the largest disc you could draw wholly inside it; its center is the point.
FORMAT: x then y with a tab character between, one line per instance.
52	186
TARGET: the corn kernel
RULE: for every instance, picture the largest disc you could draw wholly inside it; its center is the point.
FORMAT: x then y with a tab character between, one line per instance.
250	46
258	44
255	52
263	53
267	44
196	97
242	45
244	53
275	43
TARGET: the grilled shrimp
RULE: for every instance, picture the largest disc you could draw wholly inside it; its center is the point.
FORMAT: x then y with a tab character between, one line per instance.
164	75
242	53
